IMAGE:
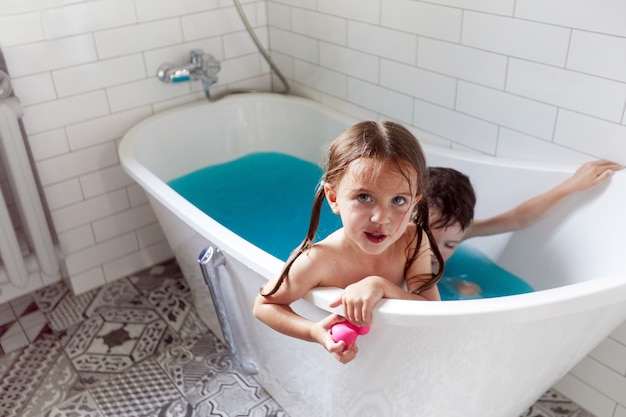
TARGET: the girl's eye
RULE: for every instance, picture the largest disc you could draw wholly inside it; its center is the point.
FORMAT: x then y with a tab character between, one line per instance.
399	201
365	198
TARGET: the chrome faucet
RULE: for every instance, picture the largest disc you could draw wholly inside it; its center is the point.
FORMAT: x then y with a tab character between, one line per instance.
202	66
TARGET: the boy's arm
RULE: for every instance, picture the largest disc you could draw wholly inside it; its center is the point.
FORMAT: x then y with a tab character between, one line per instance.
587	176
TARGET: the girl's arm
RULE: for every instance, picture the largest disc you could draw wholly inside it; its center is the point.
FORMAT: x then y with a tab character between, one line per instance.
275	311
284	320
359	299
587	176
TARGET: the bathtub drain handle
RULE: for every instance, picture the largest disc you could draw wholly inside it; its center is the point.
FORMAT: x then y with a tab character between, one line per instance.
210	259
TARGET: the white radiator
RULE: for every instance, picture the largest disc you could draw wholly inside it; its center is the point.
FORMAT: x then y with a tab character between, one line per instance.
37	256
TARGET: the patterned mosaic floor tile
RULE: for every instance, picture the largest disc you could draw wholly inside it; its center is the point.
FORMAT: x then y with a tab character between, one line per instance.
12	338
137	392
21	323
145	280
24	305
60	383
81	405
166	289
202	369
120	293
188	362
129	320
192	326
68	310
176	408
116	340
48	297
229	394
6	314
35	378
554	404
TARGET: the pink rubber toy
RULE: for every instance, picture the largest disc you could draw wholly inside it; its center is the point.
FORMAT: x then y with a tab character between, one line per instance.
347	332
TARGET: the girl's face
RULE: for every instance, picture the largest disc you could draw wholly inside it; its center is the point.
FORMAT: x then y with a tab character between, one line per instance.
375	202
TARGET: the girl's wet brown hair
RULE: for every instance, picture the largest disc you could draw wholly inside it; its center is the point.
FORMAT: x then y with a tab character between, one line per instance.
382	142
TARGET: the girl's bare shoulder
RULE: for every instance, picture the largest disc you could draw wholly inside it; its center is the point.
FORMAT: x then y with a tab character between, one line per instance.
329	263
314	264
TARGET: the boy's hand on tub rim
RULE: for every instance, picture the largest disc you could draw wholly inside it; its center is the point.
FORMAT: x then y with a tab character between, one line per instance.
591	174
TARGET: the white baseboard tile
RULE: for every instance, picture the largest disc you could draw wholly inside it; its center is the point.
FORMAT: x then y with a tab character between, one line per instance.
586	396
620	411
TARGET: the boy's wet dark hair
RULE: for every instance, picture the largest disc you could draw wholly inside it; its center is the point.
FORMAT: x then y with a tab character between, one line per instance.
451	194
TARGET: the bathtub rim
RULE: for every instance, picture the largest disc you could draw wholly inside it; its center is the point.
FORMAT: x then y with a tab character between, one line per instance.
559	301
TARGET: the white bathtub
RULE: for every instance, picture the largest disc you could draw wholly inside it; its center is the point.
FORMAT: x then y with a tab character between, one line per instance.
473	358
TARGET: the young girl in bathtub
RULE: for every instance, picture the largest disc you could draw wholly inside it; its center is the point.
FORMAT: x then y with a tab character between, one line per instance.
374	178
451	202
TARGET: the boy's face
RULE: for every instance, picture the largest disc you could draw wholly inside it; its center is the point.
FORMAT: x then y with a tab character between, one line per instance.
447	238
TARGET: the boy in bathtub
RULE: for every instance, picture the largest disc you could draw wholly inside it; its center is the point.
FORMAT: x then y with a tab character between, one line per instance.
451	202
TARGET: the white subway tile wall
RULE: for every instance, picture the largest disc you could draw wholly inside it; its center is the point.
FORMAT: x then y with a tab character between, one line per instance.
516	38
375	40
462	62
599	54
524	79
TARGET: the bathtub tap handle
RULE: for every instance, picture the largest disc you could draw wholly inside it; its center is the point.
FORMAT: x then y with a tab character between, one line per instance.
202	66
206	67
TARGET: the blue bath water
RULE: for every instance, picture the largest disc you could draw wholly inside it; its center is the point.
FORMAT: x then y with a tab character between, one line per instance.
266	199
470	274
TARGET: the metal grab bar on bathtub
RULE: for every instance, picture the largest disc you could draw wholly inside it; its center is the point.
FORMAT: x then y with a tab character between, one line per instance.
210	259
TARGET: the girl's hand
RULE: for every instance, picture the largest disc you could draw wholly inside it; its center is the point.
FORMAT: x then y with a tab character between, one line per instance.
320	332
359	299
